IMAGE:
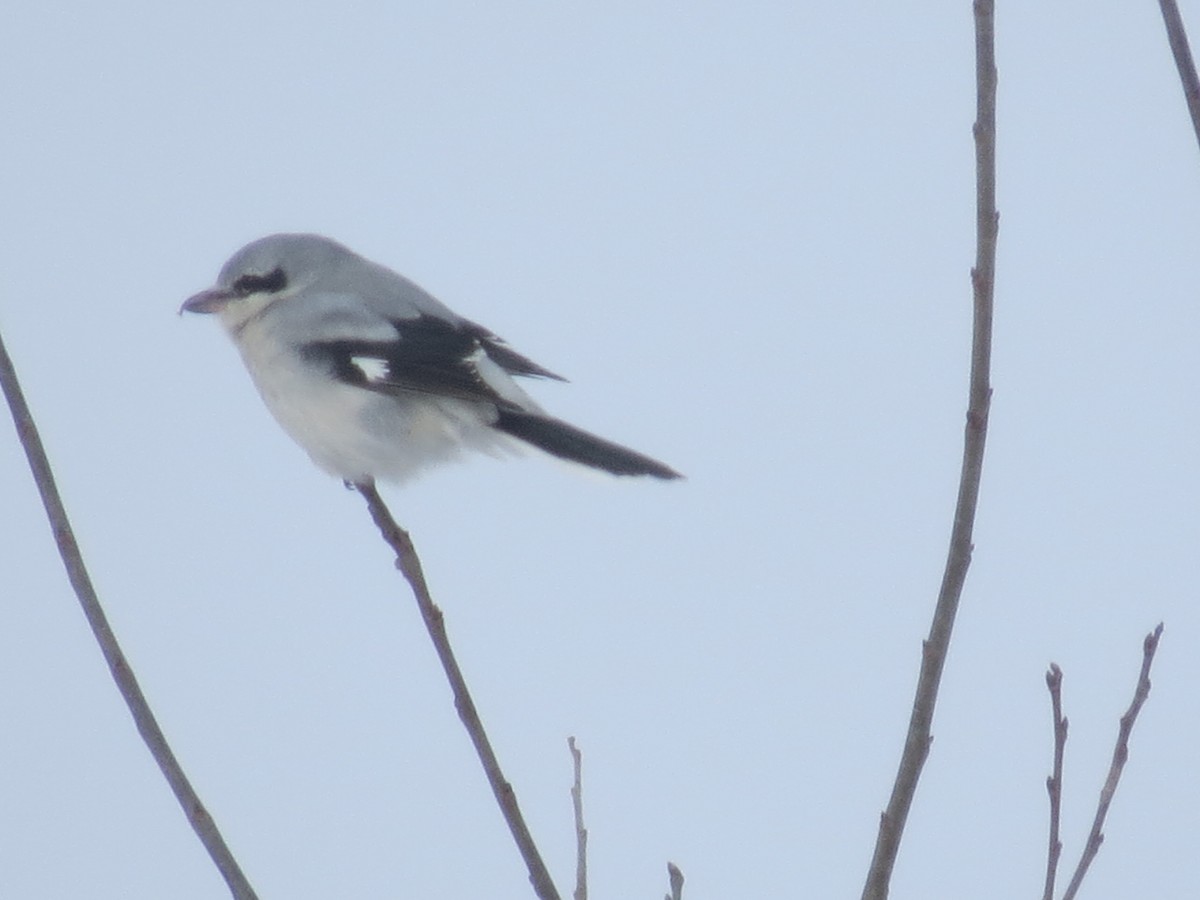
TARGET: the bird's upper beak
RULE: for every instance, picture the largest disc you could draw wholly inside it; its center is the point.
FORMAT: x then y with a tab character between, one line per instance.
210	301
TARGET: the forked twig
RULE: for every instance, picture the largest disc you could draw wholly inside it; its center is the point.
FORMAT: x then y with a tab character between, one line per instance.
147	726
1120	756
1054	784
409	565
936	646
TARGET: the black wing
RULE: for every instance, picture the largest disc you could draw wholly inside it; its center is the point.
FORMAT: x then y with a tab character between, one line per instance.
433	356
504	356
429	355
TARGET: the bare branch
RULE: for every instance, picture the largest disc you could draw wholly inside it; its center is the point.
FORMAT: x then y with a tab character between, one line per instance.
1120	756
1177	37
936	646
409	565
581	835
676	881
147	726
1054	782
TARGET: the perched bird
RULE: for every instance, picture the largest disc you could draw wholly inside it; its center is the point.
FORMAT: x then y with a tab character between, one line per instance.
374	377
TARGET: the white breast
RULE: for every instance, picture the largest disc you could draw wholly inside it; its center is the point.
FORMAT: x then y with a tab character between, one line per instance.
358	434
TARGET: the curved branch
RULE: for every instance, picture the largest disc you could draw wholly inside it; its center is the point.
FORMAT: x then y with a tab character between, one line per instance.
147	726
936	646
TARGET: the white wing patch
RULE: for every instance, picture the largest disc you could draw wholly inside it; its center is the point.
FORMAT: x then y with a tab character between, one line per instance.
373	368
498	380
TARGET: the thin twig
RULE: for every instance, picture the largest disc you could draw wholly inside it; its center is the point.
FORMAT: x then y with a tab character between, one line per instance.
1177	37
675	878
1120	756
409	565
581	835
1054	784
147	726
936	646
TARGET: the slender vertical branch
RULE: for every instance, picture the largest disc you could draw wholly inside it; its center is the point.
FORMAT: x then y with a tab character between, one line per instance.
147	726
936	646
409	565
675	879
1054	784
1120	756
581	835
1177	37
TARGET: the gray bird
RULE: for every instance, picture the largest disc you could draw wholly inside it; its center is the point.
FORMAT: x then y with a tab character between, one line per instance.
373	376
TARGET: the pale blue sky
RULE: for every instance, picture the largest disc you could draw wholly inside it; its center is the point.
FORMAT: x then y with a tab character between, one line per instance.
744	232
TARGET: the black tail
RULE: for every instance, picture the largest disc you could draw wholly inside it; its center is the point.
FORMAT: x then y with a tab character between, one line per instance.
558	438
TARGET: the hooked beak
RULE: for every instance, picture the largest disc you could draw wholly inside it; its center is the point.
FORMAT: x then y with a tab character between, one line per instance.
210	301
